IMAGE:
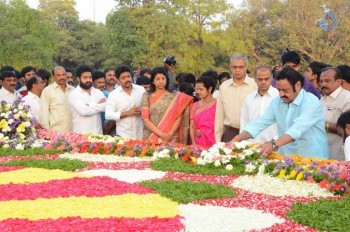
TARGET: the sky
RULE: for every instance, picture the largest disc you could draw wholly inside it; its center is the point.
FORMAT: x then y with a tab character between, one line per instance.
102	8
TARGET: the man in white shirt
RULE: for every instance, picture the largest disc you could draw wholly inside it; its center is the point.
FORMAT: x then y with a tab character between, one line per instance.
335	101
55	113
123	105
86	103
256	103
35	86
8	92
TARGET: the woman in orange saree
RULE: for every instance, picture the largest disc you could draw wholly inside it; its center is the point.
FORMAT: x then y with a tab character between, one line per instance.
165	114
203	113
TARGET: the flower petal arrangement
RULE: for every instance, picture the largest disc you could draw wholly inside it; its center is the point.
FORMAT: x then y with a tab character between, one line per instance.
108	192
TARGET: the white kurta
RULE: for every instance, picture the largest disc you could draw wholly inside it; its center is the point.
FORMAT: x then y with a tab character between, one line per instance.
253	107
33	101
119	101
86	110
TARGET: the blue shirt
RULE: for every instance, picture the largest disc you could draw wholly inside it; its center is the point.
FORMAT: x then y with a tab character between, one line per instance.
301	119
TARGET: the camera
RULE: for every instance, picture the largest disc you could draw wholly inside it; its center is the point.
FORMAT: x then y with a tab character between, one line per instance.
170	60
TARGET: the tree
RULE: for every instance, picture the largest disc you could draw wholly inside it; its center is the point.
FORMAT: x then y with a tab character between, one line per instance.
26	39
61	12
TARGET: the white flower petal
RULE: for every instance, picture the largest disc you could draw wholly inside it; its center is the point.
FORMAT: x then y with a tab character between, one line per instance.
130	176
217	218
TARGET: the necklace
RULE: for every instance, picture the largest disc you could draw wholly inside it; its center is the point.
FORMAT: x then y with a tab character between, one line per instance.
206	103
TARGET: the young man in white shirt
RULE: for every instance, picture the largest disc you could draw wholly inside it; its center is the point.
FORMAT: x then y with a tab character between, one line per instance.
123	105
256	103
8	92
86	103
35	86
26	73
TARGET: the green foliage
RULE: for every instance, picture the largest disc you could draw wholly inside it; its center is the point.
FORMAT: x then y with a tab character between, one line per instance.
175	165
186	191
26	152
201	34
26	39
63	164
323	215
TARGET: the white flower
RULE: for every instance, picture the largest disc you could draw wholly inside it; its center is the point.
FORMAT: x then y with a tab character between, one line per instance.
261	169
6	145
250	167
242	145
19	146
248	152
27	124
204	153
200	161
227	151
1	136
10	121
217	163
229	167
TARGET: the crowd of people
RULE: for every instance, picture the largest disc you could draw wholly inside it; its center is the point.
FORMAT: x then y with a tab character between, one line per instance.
284	110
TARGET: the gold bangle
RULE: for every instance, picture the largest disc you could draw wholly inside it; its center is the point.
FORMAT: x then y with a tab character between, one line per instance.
327	127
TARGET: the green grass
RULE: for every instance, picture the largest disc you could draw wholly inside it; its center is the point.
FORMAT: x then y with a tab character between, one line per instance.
175	165
26	152
187	191
323	215
63	164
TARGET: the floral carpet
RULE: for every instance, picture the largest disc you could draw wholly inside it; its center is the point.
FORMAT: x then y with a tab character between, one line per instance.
106	196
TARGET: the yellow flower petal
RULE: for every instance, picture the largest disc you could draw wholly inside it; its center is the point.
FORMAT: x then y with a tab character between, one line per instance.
127	205
36	175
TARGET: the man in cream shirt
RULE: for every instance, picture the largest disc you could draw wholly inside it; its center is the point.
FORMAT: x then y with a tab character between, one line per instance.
86	103
55	113
335	101
230	99
123	105
257	102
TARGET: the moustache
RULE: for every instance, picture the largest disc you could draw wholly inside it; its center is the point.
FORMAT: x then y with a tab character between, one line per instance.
323	88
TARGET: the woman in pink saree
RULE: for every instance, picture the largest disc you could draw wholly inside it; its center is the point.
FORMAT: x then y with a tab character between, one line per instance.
203	113
165	114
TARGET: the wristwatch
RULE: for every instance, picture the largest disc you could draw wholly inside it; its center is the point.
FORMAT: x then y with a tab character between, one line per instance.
274	145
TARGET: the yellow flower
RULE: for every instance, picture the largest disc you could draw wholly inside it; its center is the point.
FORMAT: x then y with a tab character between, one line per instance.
21	128
307	167
22	136
282	174
300	176
4	125
292	175
16	116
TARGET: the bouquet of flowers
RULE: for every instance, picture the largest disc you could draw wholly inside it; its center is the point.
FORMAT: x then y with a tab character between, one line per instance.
16	125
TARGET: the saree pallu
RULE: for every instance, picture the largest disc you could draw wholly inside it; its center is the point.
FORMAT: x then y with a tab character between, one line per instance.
163	110
204	121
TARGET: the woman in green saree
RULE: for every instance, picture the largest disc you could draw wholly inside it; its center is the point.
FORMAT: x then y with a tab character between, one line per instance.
165	113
